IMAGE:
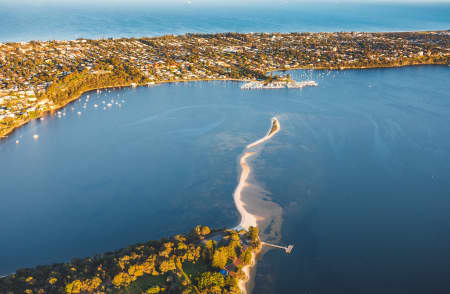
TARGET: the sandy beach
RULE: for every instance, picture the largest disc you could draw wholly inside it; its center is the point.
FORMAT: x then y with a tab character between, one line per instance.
248	219
268	210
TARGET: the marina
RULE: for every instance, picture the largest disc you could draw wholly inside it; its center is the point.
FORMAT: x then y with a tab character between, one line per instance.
128	191
278	85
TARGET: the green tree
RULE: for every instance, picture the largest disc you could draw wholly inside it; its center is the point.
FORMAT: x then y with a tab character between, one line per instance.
153	290
220	258
246	257
167	265
235	236
210	279
205	231
253	233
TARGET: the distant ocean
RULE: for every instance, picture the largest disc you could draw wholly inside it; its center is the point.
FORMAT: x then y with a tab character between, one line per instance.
20	22
360	168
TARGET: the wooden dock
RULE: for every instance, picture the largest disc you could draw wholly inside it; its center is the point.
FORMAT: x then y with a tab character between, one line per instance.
287	249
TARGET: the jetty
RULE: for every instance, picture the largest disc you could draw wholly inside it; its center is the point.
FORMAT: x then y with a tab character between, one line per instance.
287	249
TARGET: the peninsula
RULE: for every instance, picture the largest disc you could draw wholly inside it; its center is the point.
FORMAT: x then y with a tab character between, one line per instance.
41	76
203	261
200	262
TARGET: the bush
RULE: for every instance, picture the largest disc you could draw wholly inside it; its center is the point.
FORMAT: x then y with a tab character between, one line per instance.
153	290
210	279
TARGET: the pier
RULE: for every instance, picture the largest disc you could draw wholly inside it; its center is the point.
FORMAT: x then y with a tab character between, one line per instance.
288	248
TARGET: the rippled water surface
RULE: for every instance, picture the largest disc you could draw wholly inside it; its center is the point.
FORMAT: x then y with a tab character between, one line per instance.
65	20
360	168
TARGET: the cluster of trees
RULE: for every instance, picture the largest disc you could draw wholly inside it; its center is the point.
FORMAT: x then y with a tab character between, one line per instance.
180	264
113	73
107	73
275	78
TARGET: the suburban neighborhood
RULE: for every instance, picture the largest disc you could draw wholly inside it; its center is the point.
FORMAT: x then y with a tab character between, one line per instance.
36	77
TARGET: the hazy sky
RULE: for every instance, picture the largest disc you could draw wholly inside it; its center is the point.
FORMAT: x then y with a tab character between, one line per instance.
114	4
209	1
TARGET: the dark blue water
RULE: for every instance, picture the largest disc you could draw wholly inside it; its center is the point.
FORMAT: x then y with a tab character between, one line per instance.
39	20
362	173
361	169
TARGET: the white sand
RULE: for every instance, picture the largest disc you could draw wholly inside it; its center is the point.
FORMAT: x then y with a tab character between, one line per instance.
248	219
246	270
268	136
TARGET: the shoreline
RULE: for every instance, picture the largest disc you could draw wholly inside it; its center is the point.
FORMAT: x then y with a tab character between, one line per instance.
248	269
11	129
375	66
248	219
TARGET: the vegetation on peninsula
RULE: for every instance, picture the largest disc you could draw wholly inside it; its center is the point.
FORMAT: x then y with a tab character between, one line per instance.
200	262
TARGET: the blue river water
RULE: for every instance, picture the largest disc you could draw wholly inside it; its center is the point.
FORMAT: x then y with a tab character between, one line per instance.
360	169
39	20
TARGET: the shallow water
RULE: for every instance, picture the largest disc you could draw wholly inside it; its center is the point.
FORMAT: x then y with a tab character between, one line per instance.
360	168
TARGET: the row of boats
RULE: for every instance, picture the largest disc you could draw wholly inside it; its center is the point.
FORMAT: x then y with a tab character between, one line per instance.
105	104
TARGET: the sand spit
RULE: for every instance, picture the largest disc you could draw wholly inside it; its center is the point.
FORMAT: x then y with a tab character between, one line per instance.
247	219
275	129
255	206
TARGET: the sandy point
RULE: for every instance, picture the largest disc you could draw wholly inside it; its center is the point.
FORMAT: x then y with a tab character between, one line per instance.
273	130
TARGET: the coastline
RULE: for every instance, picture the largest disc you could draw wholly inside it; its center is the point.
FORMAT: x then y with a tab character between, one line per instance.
346	67
248	219
11	129
138	268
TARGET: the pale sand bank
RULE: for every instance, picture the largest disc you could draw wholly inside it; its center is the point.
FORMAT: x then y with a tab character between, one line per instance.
255	207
